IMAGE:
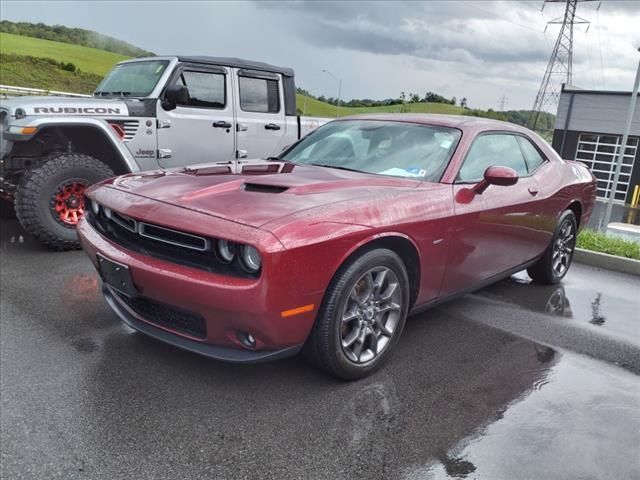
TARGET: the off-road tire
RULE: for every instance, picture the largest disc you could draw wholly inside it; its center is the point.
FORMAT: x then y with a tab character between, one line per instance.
543	271
37	188
323	346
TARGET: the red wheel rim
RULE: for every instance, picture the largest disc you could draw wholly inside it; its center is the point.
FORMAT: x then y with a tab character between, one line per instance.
68	202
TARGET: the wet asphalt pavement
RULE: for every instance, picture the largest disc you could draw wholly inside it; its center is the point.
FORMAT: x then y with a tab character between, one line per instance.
516	381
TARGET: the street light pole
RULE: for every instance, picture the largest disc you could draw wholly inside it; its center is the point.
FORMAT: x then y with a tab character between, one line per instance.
339	80
623	147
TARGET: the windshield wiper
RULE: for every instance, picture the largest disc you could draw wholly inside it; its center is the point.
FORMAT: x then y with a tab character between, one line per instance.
339	167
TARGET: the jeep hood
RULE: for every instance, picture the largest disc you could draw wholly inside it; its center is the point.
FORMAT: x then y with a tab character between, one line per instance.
262	192
94	107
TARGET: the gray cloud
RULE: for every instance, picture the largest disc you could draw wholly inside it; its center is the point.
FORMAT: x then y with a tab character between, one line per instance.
479	49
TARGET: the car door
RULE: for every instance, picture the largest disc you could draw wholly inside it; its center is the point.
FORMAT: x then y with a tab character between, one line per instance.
496	230
203	129
261	117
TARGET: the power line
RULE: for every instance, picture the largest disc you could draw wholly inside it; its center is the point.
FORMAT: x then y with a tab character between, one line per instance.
493	14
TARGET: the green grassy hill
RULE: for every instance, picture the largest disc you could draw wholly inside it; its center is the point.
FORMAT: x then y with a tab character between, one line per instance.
315	108
22	71
88	60
73	36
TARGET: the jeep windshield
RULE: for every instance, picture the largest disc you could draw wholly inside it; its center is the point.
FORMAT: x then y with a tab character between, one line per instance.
398	149
135	79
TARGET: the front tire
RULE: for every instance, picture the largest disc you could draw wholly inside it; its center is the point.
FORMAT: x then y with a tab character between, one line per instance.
362	315
49	200
555	262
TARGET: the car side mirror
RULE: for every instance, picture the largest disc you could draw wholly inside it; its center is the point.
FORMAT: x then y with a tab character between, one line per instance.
175	95
501	176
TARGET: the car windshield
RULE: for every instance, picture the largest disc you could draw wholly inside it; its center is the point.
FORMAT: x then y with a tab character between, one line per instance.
385	148
136	79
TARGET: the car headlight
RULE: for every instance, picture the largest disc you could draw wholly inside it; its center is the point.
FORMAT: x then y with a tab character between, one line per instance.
107	212
250	257
226	250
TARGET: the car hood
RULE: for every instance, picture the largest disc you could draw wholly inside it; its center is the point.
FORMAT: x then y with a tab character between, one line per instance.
261	192
66	106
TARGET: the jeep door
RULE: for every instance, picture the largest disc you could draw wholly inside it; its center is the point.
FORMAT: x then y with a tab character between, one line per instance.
260	114
201	130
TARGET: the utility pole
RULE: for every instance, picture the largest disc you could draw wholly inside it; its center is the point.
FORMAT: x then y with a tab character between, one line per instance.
623	147
339	80
559	68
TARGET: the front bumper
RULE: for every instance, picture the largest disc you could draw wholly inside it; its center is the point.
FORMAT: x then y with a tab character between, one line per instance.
228	305
227	354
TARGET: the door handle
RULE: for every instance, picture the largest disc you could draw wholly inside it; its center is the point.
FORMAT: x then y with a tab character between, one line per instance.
272	126
164	153
533	191
221	124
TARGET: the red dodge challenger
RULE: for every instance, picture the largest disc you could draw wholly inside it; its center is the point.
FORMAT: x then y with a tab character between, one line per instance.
329	246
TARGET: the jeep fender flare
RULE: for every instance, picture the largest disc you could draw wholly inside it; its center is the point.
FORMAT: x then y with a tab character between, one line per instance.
101	126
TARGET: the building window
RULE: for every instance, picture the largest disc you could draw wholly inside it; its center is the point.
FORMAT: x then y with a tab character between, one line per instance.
599	153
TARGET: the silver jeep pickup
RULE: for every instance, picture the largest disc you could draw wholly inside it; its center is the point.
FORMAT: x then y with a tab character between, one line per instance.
147	113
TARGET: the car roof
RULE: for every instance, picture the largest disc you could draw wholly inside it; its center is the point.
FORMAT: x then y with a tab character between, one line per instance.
463	122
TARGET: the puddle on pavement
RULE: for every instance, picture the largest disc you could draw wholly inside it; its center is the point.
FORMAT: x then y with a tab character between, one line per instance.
581	421
593	297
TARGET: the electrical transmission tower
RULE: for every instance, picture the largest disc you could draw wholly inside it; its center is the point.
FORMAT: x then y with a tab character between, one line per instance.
502	103
560	64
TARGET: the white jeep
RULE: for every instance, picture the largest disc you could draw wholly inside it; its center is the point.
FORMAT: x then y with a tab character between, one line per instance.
150	113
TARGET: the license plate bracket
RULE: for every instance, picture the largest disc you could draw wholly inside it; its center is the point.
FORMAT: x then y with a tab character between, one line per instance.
116	275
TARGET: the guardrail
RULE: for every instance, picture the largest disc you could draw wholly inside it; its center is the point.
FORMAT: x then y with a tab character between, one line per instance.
9	90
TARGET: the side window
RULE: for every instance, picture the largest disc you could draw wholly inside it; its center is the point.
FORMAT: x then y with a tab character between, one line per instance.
259	95
531	154
492	150
206	89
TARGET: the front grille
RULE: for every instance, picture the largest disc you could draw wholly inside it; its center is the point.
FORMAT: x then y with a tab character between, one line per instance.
167	316
164	243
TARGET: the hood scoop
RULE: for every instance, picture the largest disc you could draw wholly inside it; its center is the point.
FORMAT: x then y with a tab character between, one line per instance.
263	188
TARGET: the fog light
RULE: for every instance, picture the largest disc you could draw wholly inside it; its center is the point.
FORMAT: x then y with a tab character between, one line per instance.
247	340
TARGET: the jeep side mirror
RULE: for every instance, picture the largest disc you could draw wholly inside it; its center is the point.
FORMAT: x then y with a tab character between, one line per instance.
175	95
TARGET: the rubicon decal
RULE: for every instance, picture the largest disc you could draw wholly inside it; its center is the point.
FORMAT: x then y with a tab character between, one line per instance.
82	110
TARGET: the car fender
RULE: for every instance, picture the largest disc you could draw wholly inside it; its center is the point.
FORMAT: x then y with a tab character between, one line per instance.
363	242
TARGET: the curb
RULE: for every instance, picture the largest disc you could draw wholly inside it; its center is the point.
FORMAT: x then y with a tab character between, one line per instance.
610	262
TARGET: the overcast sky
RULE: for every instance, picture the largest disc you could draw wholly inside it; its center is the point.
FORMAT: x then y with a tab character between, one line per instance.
475	49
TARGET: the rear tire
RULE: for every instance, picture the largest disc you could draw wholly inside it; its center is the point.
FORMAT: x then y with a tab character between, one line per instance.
555	262
38	203
362	315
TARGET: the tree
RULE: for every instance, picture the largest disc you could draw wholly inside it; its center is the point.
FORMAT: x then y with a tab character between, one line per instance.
415	98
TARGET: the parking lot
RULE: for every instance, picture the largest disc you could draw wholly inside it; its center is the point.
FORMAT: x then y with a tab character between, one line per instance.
516	381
